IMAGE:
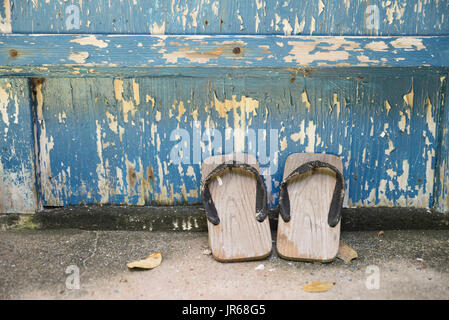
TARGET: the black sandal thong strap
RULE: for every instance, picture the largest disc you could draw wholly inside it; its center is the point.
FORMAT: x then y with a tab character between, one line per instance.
261	191
337	198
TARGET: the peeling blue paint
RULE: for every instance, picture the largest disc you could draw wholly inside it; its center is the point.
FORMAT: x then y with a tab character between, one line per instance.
17	173
25	53
286	17
388	151
441	199
323	74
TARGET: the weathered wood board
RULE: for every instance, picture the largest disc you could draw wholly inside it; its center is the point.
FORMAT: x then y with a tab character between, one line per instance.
127	56
441	197
18	193
363	80
286	17
109	140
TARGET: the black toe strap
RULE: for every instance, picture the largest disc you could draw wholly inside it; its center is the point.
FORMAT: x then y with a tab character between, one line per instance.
337	198
261	192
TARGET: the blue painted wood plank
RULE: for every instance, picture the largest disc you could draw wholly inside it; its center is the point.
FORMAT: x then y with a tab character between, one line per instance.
113	140
286	17
17	174
81	55
5	17
441	199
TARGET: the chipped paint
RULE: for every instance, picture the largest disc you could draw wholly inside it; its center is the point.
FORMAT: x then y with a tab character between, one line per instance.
256	17
408	43
79	57
403	178
287	27
112	122
336	104
15	192
301	52
5	18
299	27
101	172
408	97
90	40
4	102
17	179
320	7
377	46
312	25
402	122
157	29
394	12
149	98
305	99
127	105
242	109
299	136
387	106
310	133
431	124
283	142
224	51
125	143
136	92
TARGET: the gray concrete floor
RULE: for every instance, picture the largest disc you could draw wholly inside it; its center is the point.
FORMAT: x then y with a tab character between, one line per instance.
413	264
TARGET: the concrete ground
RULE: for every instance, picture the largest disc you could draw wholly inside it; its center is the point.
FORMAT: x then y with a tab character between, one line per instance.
413	264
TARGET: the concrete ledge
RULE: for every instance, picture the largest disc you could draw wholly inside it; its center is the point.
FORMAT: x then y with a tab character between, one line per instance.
192	218
164	218
8	221
393	219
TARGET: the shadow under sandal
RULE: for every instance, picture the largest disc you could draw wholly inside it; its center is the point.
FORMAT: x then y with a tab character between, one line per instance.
310	201
235	199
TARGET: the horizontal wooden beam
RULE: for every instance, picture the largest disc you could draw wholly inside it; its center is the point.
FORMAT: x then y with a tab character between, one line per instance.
82	55
286	17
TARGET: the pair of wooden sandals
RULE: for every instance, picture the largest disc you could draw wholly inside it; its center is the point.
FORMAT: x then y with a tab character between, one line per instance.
310	201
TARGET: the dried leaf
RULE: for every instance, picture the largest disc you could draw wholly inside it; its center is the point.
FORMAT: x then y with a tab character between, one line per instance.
152	261
422	266
346	253
318	286
380	234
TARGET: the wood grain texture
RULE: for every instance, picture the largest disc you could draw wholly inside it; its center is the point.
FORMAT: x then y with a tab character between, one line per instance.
239	236
131	55
102	152
307	236
325	17
17	155
441	187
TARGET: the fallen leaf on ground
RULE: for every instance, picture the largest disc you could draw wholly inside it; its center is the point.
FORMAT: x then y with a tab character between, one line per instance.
346	253
380	234
422	266
152	261
318	286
